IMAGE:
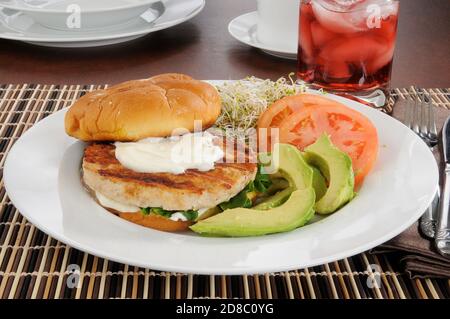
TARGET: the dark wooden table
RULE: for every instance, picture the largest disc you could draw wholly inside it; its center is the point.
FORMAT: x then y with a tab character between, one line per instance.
203	48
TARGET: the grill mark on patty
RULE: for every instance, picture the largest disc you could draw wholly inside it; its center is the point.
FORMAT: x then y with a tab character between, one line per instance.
215	175
100	154
149	179
239	166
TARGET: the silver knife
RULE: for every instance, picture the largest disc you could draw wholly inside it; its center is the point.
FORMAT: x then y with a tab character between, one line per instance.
442	238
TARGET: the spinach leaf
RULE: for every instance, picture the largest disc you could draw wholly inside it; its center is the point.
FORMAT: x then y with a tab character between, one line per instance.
160	212
240	200
244	199
190	215
262	181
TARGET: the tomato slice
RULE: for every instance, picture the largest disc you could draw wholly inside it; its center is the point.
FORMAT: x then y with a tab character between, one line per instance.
349	130
281	109
276	113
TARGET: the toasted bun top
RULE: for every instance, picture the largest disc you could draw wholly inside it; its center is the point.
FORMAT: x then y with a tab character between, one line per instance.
134	110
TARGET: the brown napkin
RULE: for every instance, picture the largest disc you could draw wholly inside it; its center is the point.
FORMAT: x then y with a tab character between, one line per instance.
414	252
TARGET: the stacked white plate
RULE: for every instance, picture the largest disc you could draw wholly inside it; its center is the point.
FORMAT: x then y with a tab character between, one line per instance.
88	23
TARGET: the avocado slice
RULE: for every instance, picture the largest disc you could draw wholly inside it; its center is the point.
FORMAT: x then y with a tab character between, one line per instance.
296	201
319	184
288	166
210	212
274	200
241	222
278	184
288	163
336	166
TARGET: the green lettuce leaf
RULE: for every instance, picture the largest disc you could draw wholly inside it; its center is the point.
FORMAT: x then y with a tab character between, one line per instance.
189	214
259	185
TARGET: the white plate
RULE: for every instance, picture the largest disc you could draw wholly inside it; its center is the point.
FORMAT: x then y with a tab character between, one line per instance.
243	29
61	5
42	178
93	14
162	15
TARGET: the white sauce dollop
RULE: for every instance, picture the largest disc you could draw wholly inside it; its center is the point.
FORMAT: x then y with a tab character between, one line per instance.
109	203
174	154
178	216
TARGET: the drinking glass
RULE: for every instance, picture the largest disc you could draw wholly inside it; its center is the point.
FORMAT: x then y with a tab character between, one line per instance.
347	46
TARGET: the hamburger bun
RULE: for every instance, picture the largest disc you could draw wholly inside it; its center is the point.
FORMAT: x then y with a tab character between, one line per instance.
138	109
156	222
149	221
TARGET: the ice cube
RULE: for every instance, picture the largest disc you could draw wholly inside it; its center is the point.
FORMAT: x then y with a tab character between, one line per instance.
341	5
320	35
380	60
330	15
388	29
355	49
306	42
350	16
335	71
386	7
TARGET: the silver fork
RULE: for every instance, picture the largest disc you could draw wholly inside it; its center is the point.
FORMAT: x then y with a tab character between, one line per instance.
420	117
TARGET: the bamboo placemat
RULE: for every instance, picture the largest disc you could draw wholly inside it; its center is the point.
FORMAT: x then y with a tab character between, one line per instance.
34	265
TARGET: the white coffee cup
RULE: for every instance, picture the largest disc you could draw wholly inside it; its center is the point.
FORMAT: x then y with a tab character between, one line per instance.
278	23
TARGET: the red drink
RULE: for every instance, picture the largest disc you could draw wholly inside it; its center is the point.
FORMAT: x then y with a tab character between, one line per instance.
347	45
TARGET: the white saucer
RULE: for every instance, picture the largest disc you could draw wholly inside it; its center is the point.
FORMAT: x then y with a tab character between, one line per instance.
92	14
243	29
160	16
